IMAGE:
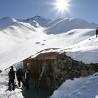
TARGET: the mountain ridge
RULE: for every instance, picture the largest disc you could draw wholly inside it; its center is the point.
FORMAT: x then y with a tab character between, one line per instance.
55	26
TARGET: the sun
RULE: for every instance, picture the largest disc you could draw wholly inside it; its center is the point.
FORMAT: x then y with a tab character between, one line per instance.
62	6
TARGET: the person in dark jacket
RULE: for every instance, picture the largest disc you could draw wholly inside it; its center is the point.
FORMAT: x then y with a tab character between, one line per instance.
20	76
11	75
96	31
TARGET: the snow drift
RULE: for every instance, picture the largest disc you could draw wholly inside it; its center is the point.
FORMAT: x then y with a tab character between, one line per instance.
78	88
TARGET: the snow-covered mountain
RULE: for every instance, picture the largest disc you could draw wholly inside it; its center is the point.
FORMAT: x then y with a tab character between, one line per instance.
64	25
59	25
14	35
38	21
20	39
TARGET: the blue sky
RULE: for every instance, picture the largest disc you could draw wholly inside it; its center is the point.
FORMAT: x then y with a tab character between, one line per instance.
85	9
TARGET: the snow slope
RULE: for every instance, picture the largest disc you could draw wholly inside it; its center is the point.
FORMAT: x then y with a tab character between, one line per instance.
80	44
86	51
78	88
15	38
64	25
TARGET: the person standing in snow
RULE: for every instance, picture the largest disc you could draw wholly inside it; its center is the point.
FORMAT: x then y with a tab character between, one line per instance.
11	75
20	76
96	31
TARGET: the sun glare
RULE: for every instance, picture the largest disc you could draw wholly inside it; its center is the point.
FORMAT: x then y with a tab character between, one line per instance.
62	6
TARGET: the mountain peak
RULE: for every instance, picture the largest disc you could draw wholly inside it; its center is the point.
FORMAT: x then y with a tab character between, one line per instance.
38	17
37	20
6	22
